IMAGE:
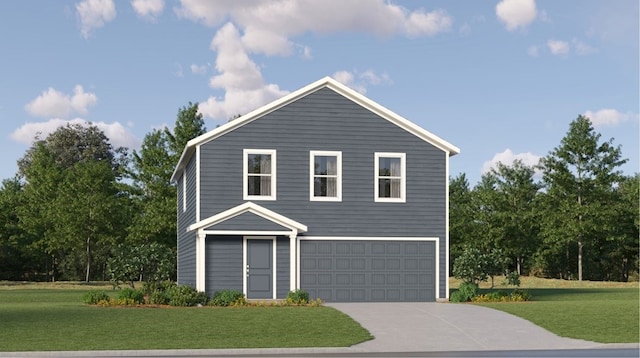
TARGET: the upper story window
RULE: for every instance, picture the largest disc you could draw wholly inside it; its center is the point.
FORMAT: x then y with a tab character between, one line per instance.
259	174
390	177
325	176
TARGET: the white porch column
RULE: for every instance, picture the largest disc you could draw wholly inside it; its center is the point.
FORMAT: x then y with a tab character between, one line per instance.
293	269
200	261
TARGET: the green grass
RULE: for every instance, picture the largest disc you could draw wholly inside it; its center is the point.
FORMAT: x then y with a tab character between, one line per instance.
606	315
54	319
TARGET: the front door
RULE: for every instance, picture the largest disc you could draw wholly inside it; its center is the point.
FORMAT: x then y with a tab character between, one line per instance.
259	269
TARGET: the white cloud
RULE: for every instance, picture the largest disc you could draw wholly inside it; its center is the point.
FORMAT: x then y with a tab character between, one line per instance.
557	47
198	69
52	103
583	48
516	13
609	117
118	134
359	80
93	14
245	87
148	9
508	157
533	51
268	25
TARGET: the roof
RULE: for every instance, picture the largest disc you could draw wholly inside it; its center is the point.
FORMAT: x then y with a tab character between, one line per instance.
326	82
293	227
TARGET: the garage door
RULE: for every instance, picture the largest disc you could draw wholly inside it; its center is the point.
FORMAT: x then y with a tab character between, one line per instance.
362	271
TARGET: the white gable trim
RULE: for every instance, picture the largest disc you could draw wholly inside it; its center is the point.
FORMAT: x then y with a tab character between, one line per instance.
256	209
328	82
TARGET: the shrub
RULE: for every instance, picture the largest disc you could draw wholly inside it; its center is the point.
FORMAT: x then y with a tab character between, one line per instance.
129	293
465	292
298	297
159	298
93	297
513	279
227	298
186	296
501	296
520	295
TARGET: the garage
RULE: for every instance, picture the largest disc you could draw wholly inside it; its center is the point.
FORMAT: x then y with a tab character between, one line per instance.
368	270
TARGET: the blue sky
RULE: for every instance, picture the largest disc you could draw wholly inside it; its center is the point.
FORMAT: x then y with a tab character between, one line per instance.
499	79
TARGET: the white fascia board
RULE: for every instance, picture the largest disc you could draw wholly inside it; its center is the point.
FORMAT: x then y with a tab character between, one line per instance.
254	209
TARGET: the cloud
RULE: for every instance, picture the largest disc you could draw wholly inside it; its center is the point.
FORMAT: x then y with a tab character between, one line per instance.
516	13
557	47
268	26
508	157
245	87
52	103
93	14
609	117
583	48
198	69
359	80
148	9
118	134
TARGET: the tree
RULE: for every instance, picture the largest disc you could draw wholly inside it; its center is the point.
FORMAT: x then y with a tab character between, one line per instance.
461	220
515	211
68	177
155	196
579	176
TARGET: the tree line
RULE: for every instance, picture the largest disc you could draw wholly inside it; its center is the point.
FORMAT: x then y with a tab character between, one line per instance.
78	206
574	215
77	202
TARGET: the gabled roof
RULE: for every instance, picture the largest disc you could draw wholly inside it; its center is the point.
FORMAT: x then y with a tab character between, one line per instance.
293	226
326	82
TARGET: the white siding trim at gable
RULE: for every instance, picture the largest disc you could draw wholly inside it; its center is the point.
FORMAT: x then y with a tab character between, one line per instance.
327	82
294	226
197	184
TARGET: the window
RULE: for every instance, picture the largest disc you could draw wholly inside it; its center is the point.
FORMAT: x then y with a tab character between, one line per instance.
259	174
325	176
390	175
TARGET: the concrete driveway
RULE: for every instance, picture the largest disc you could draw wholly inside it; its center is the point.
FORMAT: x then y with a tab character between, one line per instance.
429	327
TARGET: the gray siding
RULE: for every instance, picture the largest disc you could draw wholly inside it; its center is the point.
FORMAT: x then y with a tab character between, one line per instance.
282	267
248	220
324	120
187	240
223	264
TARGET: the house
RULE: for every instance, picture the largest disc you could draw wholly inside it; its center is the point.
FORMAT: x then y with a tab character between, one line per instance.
322	190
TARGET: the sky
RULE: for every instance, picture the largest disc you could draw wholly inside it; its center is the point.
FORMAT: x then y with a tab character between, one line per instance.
501	80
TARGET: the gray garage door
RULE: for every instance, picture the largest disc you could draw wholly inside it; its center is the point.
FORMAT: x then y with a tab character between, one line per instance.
362	271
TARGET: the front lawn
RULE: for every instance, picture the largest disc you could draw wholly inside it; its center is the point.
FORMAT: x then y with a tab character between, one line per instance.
606	315
56	319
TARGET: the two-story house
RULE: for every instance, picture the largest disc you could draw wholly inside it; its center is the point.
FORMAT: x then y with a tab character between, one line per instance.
322	190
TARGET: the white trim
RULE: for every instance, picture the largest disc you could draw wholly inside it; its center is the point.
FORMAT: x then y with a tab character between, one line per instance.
327	82
247	232
403	177
184	192
200	261
446	225
197	183
292	263
253	208
346	238
338	155
272	175
274	264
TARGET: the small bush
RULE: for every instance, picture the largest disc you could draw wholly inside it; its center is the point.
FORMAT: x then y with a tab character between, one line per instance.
227	298
93	297
501	296
149	287
298	297
520	295
159	298
186	296
465	292
129	293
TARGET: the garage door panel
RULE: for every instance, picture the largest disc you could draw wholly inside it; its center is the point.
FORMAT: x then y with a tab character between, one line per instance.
343	271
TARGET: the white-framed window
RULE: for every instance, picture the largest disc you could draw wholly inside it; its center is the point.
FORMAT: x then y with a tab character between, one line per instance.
259	174
325	176
390	177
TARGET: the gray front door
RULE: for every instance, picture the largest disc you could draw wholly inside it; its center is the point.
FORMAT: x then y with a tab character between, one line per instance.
259	269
